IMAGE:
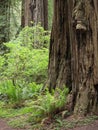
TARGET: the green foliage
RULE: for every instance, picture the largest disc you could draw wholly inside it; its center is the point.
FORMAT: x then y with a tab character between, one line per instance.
2	61
13	93
23	63
17	94
7	112
34	36
50	13
48	105
18	118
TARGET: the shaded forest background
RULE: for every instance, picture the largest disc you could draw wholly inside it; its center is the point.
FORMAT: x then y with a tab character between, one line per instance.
48	61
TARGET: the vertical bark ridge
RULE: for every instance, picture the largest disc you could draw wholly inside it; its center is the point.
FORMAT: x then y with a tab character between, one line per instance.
60	56
86	65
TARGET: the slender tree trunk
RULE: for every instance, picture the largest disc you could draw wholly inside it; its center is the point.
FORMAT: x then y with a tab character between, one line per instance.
36	11
26	13
4	21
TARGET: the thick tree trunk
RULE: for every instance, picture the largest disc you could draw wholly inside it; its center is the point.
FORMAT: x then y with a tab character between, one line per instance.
60	56
36	11
73	58
85	61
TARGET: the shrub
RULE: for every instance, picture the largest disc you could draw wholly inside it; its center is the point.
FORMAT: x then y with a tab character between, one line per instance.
25	63
34	36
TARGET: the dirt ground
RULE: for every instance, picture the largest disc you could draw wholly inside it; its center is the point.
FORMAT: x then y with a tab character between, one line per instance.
94	126
4	126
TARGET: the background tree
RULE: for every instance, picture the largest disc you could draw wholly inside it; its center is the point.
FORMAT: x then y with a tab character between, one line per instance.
36	11
26	13
73	53
9	19
4	21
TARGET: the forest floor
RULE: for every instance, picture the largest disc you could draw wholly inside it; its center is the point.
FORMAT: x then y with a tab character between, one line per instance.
92	126
5	126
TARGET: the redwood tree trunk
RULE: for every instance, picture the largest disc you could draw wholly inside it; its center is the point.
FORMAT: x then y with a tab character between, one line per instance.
26	13
85	61
60	56
73	58
36	11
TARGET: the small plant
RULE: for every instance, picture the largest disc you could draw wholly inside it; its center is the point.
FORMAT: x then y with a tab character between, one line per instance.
16	95
48	105
11	93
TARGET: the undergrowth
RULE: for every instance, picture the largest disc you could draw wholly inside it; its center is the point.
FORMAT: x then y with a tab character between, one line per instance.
23	68
35	110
